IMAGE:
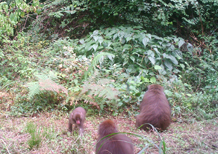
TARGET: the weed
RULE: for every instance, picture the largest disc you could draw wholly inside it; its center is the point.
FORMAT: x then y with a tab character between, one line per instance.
35	138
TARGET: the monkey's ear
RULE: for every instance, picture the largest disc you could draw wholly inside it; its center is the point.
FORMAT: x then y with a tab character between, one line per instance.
71	115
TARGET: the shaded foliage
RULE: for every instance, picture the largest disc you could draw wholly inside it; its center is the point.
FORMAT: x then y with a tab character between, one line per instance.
130	43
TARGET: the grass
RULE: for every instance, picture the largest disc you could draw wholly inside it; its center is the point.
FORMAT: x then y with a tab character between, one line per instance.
197	137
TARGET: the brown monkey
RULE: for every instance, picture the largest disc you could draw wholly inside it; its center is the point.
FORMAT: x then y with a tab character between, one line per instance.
154	109
114	143
77	117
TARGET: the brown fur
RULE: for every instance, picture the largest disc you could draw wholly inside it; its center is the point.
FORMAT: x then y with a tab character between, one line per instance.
154	109
78	114
113	144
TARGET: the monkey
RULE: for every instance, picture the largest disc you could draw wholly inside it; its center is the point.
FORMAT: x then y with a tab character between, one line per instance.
113	143
154	109
77	117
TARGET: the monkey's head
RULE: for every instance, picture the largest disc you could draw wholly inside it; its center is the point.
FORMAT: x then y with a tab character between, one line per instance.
107	127
78	119
155	87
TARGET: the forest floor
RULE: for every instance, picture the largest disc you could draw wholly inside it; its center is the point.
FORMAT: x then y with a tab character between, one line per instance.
197	137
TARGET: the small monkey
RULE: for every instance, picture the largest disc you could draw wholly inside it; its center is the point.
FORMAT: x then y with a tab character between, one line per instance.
77	117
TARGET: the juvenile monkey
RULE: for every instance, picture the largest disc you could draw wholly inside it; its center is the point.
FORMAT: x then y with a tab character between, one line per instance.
114	143
154	109
77	117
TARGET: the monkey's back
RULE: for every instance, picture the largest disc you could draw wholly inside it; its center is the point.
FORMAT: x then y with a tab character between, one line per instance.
115	144
155	110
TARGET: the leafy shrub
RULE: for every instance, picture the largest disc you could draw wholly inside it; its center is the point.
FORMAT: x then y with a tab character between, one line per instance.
16	10
201	72
129	50
135	49
184	101
76	18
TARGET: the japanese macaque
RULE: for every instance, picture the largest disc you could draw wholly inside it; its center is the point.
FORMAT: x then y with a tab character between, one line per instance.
110	143
77	117
154	109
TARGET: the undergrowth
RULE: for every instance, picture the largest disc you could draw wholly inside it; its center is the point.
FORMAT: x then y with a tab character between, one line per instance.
62	54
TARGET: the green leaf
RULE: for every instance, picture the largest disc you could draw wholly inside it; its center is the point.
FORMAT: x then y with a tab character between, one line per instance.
145	41
168	93
22	14
144	79
178	54
82	41
110	56
88	45
132	58
149	36
115	36
95	32
162	71
190	47
95	46
102	106
122	40
152	60
150	53
157	67
168	64
120	104
128	39
157	51
152	79
189	95
182	65
173	59
176	70
181	42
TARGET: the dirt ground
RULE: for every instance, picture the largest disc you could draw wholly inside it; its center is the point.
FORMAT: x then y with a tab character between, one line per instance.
197	137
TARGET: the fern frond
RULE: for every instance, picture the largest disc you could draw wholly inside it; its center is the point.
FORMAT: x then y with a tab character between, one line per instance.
87	99
45	83
33	89
100	89
99	58
42	76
